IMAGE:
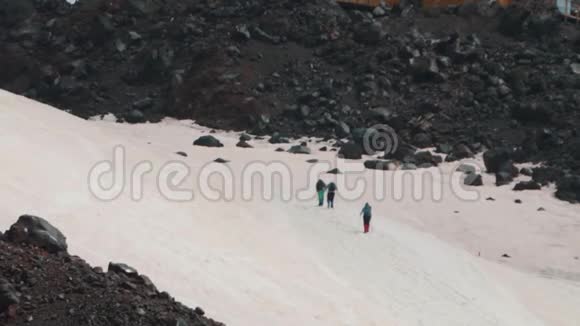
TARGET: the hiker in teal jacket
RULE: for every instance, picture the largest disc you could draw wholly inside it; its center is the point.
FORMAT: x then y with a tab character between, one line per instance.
320	188
367	214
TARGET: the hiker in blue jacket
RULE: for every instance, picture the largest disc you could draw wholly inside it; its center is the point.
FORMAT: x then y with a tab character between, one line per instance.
367	214
330	196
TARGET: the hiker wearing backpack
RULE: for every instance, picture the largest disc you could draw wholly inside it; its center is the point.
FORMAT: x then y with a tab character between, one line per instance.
320	188
330	196
366	214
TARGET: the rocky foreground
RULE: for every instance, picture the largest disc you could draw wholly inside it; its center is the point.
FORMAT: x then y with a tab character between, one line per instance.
473	78
41	284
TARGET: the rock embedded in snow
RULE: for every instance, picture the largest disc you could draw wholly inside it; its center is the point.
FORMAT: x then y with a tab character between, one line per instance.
408	166
466	168
473	179
569	188
527	172
277	138
334	171
221	160
351	151
135	116
459	152
37	231
208	141
503	178
377	165
243	144
184	154
527	185
245	137
299	149
494	159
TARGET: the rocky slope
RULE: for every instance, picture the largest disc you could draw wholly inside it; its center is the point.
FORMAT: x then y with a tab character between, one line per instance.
476	77
41	284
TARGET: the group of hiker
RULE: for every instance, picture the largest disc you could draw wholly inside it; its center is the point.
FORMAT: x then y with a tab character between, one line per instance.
322	187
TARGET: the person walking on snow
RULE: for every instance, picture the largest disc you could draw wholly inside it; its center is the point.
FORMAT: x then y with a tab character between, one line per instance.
330	196
320	188
367	214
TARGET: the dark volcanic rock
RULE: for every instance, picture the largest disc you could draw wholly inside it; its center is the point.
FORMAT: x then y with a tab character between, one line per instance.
466	168
208	141
299	149
569	189
8	295
531	112
527	185
184	154
351	151
503	178
459	152
135	116
37	231
15	12
377	165
494	159
243	144
527	172
122	269
473	179
37	288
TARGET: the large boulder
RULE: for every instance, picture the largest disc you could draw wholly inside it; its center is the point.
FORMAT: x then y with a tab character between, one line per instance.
569	188
373	140
459	152
494	159
351	151
426	158
243	144
37	231
402	151
377	165
299	149
503	178
546	175
277	138
473	179
466	169
121	268
208	141
527	185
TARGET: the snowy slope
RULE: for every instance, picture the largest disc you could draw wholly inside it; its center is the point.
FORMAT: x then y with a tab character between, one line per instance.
271	262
